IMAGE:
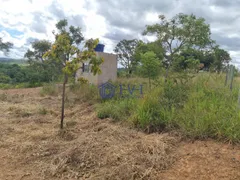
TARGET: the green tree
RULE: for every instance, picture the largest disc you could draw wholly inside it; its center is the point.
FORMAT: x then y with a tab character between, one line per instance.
221	59
150	66
143	47
181	32
42	70
188	59
40	47
125	51
65	51
5	46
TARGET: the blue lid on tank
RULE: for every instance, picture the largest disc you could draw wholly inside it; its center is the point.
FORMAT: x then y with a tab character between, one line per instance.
99	48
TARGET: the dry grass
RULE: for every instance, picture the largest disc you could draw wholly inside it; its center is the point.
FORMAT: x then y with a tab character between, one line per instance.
32	147
86	148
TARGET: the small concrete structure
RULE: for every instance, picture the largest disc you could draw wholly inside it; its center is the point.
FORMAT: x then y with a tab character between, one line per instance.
108	68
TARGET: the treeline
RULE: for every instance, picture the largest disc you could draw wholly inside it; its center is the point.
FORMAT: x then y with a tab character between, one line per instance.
34	74
183	44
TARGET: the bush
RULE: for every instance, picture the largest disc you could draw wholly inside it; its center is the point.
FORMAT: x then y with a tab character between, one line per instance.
49	89
84	92
116	109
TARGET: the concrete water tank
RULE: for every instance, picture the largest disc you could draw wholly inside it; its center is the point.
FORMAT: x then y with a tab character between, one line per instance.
99	48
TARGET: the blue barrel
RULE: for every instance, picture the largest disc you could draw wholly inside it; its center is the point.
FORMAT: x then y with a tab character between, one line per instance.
99	48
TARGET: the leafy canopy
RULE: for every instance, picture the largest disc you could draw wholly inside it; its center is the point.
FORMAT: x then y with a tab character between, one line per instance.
125	51
181	32
150	65
5	47
40	47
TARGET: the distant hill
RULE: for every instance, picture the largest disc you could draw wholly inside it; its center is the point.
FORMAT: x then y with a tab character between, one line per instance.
12	61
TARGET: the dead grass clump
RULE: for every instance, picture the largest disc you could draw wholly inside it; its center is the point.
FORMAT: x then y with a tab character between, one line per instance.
113	153
19	112
3	97
54	113
16	98
42	111
66	135
70	124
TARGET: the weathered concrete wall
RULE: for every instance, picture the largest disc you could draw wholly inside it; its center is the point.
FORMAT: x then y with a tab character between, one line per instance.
109	70
87	75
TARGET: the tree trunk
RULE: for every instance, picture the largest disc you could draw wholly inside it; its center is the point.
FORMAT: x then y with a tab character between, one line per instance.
167	70
166	74
63	100
149	80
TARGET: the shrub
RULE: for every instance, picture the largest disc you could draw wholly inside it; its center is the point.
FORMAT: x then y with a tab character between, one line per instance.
49	89
116	109
84	92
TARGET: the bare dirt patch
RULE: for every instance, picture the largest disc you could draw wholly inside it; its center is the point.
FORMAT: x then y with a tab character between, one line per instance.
33	147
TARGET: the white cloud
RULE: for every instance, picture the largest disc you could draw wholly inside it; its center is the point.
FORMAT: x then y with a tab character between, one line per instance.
109	20
36	19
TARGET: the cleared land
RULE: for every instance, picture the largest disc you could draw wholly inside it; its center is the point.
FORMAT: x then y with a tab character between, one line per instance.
32	147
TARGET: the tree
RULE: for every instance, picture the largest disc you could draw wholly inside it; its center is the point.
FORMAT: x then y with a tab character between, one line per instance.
188	59
40	47
125	50
150	65
41	69
142	48
222	58
5	47
65	51
181	32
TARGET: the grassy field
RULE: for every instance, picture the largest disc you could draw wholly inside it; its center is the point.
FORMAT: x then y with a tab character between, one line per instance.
200	107
132	140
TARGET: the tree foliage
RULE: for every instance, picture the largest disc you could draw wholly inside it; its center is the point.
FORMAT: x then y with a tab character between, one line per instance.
64	51
143	47
40	47
125	51
5	46
181	32
222	58
150	65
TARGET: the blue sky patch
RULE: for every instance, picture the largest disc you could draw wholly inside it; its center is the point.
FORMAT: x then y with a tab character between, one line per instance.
12	32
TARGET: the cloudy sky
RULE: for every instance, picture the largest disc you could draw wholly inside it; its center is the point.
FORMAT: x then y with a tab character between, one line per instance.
23	21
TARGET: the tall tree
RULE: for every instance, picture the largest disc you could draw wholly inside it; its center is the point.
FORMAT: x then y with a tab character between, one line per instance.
125	51
180	32
5	46
40	47
65	51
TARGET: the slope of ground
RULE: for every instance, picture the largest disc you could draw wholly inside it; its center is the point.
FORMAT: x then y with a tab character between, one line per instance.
32	147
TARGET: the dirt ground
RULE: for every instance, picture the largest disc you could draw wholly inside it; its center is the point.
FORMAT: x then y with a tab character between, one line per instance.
33	147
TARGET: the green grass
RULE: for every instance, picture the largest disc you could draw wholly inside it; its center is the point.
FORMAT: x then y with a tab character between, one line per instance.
200	108
19	85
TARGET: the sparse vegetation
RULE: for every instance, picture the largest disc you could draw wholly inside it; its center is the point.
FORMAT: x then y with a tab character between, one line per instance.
42	111
177	99
201	108
49	89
